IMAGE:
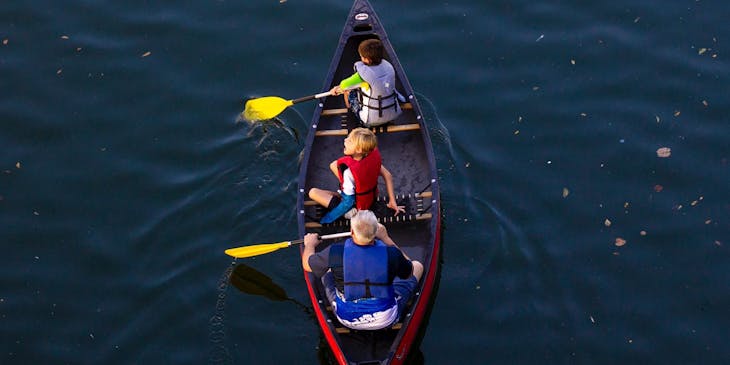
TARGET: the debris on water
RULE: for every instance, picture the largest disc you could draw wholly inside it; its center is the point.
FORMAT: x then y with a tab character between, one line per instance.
64	37
718	243
282	1
702	51
540	38
637	19
664	152
621	140
5	42
607	222
657	118
658	188
572	62
592	320
59	71
620	242
17	165
517	132
708	221
677	113
146	54
566	192
467	165
642	233
36	213
704	102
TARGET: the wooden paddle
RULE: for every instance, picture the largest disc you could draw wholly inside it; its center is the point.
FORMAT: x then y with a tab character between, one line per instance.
264	248
268	107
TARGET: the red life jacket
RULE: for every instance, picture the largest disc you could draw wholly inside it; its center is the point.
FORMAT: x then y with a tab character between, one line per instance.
365	172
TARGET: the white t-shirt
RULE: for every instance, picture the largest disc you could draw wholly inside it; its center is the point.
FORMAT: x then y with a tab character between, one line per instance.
348	183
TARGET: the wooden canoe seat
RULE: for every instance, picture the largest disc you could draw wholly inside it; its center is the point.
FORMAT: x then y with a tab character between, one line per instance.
395	327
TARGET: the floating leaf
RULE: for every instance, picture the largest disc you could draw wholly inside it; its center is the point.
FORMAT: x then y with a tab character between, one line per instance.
620	241
664	152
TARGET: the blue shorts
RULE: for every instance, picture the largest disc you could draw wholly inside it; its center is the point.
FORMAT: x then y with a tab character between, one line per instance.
346	203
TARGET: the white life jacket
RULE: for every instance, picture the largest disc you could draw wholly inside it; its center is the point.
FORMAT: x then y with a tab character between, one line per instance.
379	102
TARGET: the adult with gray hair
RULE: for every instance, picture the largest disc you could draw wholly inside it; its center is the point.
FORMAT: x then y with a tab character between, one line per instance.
368	278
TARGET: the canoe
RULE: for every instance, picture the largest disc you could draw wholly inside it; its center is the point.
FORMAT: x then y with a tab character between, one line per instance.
406	150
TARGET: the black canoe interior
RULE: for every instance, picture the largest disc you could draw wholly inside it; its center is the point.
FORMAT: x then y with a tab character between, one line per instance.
406	156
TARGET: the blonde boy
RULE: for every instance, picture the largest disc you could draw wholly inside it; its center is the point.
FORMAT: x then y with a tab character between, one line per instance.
357	171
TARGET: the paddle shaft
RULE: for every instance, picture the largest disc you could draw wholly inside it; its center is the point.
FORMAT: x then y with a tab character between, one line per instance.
310	97
325	237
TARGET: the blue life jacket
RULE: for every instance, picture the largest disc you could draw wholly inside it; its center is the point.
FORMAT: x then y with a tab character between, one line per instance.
365	271
366	287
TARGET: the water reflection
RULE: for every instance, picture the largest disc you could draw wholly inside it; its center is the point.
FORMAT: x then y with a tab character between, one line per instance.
251	281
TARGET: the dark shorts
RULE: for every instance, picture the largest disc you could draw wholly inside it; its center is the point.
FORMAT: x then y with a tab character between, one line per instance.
354	102
335	201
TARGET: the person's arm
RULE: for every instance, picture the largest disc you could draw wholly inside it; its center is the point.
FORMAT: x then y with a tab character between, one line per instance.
388	177
349	83
333	168
382	234
311	240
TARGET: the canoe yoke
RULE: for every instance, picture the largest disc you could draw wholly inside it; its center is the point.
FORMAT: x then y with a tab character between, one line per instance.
417	206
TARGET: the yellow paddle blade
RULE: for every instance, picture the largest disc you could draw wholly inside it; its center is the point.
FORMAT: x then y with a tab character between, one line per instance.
265	108
255	250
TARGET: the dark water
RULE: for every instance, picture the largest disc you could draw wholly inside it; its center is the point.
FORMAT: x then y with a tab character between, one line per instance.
124	175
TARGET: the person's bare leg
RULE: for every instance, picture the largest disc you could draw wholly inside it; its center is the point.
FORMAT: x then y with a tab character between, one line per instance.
322	197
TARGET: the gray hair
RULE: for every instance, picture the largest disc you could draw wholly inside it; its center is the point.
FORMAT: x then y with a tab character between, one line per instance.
364	224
